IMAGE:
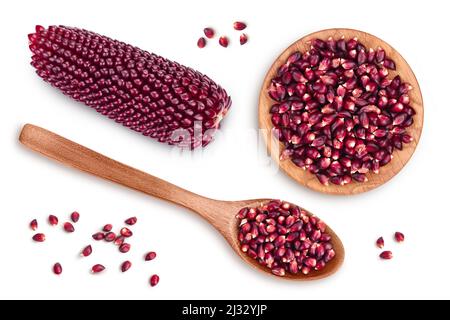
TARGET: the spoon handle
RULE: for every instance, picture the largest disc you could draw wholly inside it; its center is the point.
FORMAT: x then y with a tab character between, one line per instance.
84	159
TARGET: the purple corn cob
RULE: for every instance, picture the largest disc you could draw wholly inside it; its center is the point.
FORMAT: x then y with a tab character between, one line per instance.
144	92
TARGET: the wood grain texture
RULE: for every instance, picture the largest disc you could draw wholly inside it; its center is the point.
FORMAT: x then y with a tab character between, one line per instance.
221	214
400	157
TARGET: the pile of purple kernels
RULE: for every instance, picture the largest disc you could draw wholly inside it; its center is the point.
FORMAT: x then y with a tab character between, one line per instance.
284	238
339	112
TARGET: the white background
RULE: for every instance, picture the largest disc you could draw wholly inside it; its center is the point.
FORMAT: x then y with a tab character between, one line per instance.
193	259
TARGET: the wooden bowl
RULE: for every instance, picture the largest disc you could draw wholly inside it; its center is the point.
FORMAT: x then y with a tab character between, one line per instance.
400	157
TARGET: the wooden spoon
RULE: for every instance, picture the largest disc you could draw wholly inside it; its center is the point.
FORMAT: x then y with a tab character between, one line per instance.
400	157
221	214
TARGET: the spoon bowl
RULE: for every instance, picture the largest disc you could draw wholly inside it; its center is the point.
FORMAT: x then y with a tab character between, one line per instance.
220	214
231	236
